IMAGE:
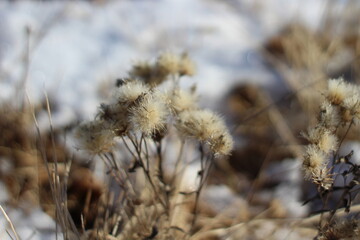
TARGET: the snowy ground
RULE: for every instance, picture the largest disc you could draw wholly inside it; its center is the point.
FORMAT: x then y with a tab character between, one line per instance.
74	46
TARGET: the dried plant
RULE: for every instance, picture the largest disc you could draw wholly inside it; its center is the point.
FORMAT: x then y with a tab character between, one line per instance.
322	163
131	134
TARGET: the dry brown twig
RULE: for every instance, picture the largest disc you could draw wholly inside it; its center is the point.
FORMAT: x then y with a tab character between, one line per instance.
10	223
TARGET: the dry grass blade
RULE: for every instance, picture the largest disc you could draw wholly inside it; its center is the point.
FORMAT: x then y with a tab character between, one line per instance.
10	222
58	187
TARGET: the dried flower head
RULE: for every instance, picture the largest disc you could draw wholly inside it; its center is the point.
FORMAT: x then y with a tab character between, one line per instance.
95	137
186	66
343	229
323	138
143	70
328	142
149	114
207	127
181	100
329	116
129	91
351	108
338	90
314	159
168	63
198	124
323	178
116	115
222	144
314	165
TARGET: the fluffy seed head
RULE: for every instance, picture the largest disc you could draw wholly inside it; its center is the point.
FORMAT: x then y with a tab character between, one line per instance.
329	116
327	142
131	90
222	144
313	134
186	66
116	115
149	114
181	100
168	63
207	127
351	108
200	124
95	137
338	90
314	159
323	138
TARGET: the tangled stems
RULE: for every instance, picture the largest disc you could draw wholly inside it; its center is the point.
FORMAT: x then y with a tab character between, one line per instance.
145	166
139	116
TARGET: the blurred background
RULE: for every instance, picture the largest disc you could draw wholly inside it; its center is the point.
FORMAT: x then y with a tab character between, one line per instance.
70	48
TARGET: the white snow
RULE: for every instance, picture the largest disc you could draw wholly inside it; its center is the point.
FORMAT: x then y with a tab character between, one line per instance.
73	43
289	175
31	223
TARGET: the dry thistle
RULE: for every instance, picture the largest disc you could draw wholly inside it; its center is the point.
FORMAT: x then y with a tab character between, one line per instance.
329	116
351	107
207	127
129	91
149	114
181	100
340	108
314	160
323	138
345	97
186	66
341	229
338	91
116	115
165	65
95	137
168	63
323	178
222	144
139	114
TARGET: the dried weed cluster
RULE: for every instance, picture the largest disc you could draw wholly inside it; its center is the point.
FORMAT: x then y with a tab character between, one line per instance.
322	163
131	133
340	109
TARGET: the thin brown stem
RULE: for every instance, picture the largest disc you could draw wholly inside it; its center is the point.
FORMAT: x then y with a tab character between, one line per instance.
178	160
147	172
111	168
203	174
341	141
127	147
160	161
146	154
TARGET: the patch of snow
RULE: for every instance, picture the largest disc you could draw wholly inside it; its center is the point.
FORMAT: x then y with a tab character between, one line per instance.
70	43
288	174
222	200
31	224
